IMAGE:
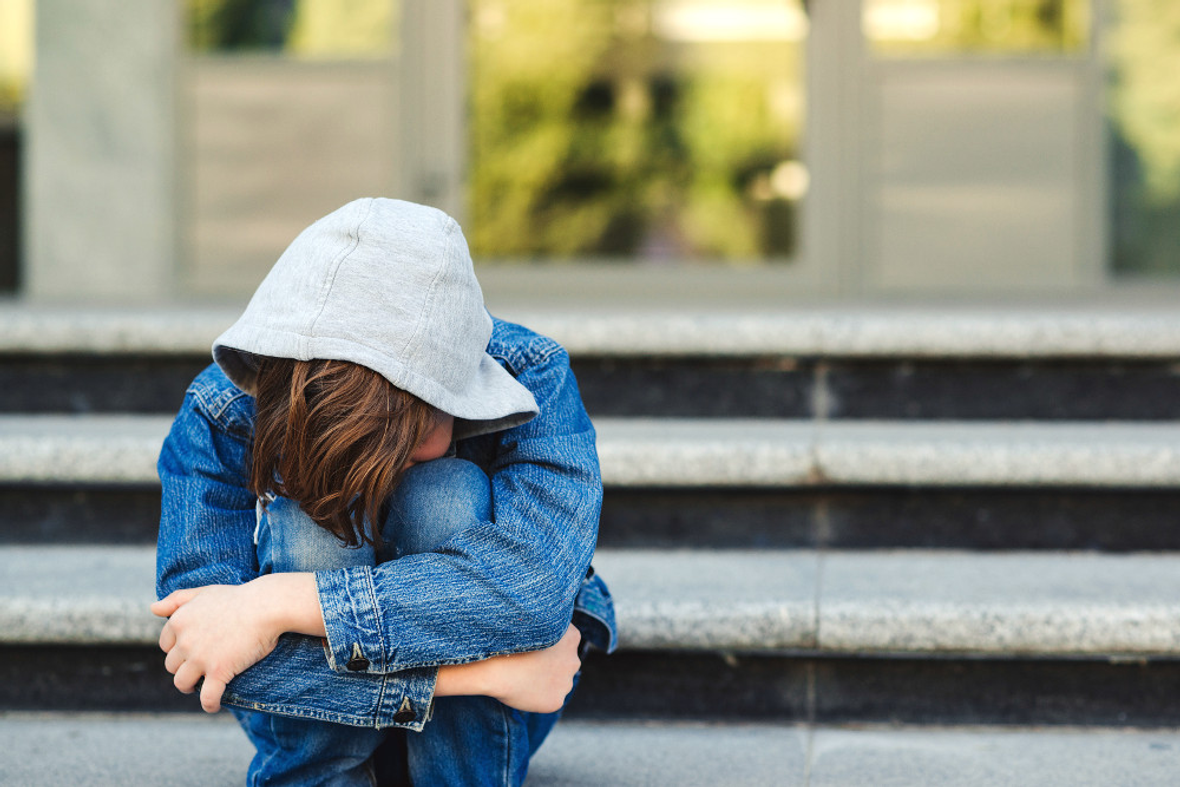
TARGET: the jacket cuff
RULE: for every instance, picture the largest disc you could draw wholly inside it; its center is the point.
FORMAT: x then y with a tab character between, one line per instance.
294	681
594	614
407	699
352	621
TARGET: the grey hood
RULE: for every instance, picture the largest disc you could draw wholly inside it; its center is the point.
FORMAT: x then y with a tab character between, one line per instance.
389	285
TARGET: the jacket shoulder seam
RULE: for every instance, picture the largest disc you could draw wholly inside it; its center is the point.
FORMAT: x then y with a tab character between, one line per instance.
216	402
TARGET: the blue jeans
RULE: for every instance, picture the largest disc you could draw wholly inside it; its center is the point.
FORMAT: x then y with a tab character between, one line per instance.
468	740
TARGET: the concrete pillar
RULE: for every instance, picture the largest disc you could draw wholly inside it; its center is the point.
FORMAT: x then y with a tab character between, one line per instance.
432	106
101	156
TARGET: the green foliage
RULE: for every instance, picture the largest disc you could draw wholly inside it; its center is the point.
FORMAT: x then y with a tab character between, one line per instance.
997	27
1144	47
12	94
334	28
591	137
237	25
1145	98
529	62
306	28
16	55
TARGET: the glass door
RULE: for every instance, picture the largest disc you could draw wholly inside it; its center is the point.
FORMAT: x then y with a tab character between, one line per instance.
981	145
659	144
638	131
289	111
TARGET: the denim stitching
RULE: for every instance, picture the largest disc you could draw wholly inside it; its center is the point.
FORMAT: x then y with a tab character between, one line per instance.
506	777
380	705
214	403
540	349
270	722
371	590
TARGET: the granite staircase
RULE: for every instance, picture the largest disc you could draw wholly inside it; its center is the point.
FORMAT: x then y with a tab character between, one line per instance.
848	547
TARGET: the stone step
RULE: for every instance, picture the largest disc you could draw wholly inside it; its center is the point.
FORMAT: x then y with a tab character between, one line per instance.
915	637
824	517
699	387
1039	362
708	483
695	453
995	605
852	330
130	750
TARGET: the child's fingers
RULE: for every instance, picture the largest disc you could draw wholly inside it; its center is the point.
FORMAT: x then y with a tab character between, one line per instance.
173	661
173	601
167	638
211	692
186	677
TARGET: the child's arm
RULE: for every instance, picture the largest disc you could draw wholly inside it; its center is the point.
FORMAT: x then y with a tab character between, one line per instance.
219	631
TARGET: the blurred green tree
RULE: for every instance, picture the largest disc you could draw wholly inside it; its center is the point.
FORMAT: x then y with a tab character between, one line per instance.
1144	105
337	29
597	133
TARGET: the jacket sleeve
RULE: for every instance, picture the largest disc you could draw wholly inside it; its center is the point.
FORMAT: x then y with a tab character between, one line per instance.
206	512
206	536
497	587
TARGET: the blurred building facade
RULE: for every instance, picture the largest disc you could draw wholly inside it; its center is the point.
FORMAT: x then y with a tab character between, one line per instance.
151	151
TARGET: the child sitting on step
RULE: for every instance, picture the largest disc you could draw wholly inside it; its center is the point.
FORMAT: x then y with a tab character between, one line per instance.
379	510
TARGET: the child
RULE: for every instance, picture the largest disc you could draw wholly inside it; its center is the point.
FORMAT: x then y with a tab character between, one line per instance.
379	509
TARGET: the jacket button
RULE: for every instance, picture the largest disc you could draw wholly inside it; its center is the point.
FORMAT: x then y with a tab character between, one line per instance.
404	716
357	664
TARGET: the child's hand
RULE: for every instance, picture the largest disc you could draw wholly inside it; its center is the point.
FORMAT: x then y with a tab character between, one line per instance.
537	682
216	632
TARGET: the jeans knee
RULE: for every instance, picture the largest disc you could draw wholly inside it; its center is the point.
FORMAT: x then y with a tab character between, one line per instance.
304	751
436	500
289	540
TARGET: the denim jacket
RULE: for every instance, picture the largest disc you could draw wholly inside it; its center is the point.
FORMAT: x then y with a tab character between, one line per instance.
524	576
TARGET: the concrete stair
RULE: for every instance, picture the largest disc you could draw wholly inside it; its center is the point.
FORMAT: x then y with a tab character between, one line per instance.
678	453
715	482
1088	363
834	517
767	601
129	750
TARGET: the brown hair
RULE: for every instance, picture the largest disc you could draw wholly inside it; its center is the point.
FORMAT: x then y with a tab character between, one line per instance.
337	437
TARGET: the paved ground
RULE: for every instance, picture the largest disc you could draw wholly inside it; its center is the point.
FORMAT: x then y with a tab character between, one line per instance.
96	750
